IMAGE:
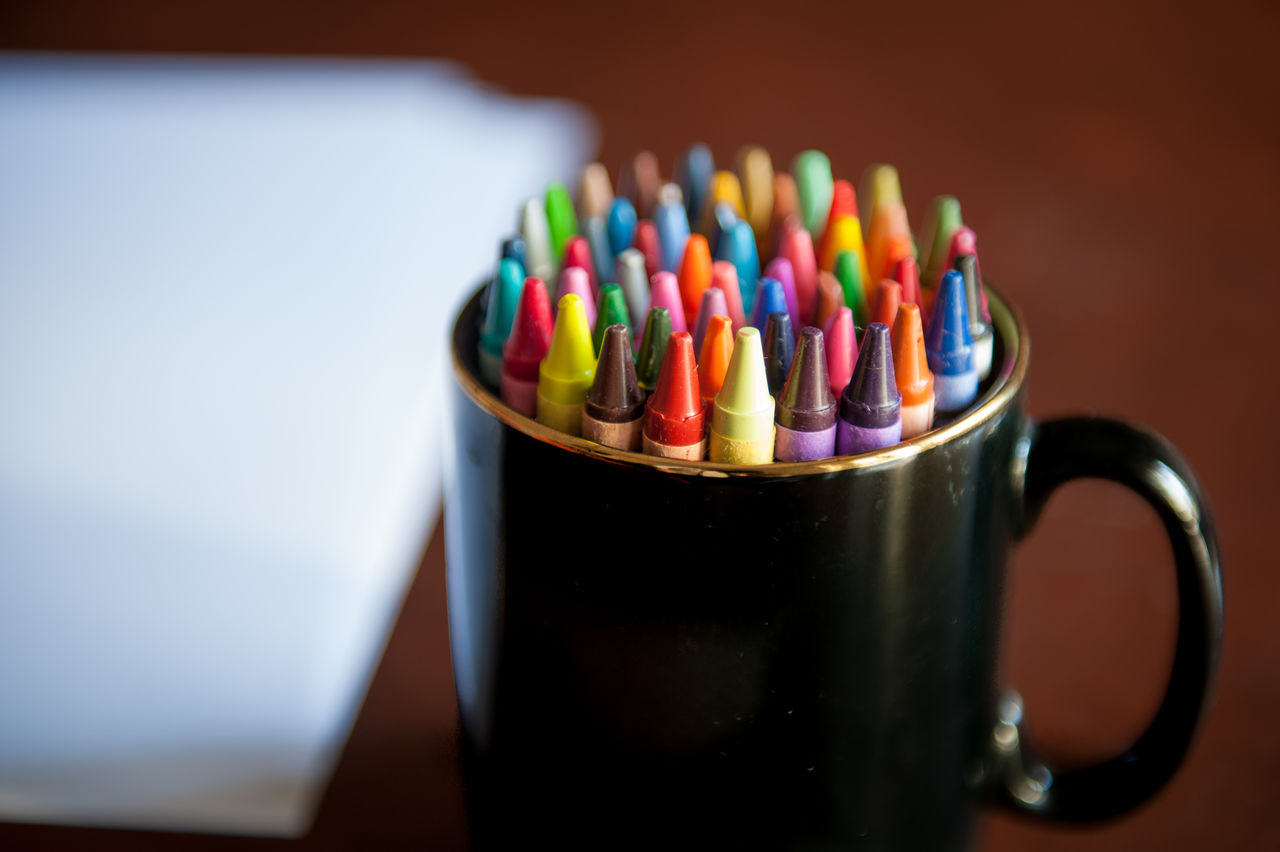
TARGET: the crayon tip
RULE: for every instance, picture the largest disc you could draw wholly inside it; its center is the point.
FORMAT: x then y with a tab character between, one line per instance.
724	188
646	240
577	253
722	221
513	247
653	345
841	344
849	274
595	192
769	299
713	303
713	359
639	180
949	346
812	171
888	297
615	395
797	247
780	270
871	400
561	219
830	299
576	280
571	359
611	311
786	205
741	252
673	231
693	171
674	414
755	173
530	336
695	273
844	201
629	271
907	273
724	277
944	220
807	403
621	225
500	312
779	350
664	290
743	408
536	234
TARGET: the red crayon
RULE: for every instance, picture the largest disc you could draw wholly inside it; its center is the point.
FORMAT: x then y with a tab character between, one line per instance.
525	348
896	249
674	418
577	252
907	273
646	240
844	202
888	297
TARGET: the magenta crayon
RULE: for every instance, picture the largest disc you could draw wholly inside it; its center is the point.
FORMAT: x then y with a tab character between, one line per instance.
664	292
911	369
807	409
628	270
797	248
979	324
647	242
769	298
724	277
614	412
779	350
841	344
674	417
871	406
779	269
742	428
653	345
712	303
576	280
949	346
577	252
525	348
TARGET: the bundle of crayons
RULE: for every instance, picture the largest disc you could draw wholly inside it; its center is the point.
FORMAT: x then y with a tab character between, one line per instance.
859	343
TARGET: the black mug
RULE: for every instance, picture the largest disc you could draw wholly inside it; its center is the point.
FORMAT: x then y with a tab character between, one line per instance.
661	654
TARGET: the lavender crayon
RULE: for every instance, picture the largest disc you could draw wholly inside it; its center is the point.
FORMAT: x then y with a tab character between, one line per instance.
871	406
807	411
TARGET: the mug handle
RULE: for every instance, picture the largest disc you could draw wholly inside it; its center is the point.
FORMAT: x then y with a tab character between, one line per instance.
1056	452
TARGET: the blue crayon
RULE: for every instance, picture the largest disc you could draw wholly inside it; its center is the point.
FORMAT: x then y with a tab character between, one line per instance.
601	252
769	299
672	224
513	247
779	351
871	405
722	221
693	172
621	225
948	346
499	314
739	248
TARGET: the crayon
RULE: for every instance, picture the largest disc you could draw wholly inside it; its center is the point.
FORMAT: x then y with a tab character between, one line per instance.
671	193
935	240
723	188
870	407
911	369
693	172
949	346
844	202
614	411
611	311
812	171
797	247
979	326
845	234
674	418
769	298
830	299
779	350
712	303
525	348
740	250
499	314
695	273
841	345
888	297
673	231
888	215
664	292
653	344
907	273
561	219
628	270
779	269
897	249
565	375
621	225
722	221
724	277
786	205
639	180
755	173
574	279
807	409
849	274
713	359
601	252
646	241
963	242
595	192
536	233
742	414
513	247
578	253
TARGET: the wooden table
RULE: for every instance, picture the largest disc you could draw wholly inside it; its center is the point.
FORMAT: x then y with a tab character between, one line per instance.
1121	168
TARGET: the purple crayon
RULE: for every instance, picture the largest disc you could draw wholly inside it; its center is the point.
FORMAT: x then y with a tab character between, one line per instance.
712	303
664	292
806	427
871	406
780	270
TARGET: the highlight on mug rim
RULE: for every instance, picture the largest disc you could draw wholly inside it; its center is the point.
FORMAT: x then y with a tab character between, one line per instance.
1007	377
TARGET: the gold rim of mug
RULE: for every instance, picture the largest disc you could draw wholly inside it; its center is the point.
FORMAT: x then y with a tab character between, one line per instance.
1006	321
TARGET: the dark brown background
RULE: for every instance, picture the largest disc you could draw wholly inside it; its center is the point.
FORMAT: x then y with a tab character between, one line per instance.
1121	168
